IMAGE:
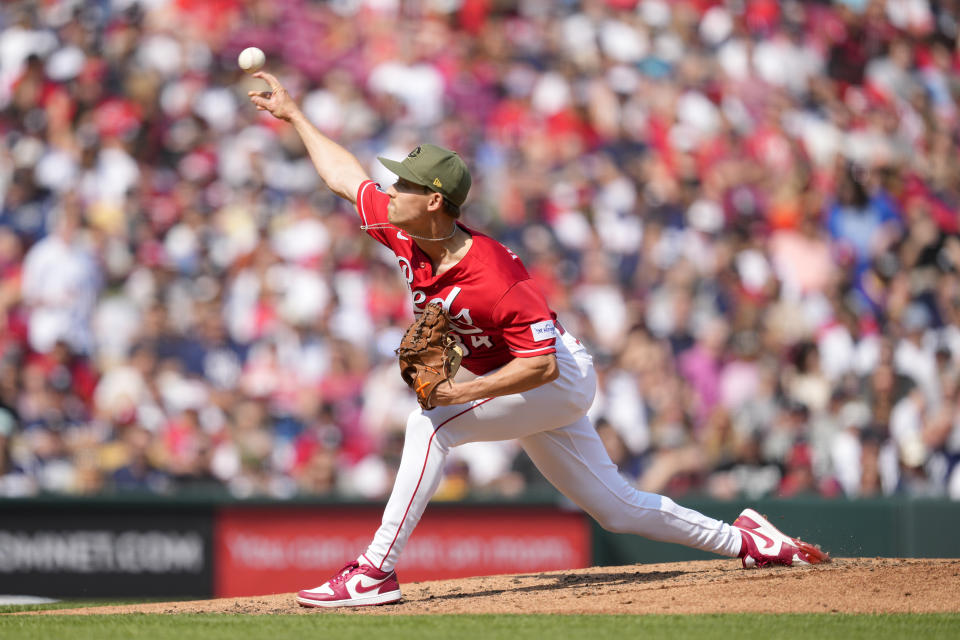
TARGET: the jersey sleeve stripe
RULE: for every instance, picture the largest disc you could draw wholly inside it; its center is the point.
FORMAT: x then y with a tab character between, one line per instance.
363	215
550	348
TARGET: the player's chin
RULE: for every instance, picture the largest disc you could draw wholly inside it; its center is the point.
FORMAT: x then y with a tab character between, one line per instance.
396	215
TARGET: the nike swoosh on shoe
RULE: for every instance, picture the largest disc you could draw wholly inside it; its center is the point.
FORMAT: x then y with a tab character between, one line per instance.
746	523
360	588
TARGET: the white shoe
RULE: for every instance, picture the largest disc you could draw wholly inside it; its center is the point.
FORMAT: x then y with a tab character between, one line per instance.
355	585
765	545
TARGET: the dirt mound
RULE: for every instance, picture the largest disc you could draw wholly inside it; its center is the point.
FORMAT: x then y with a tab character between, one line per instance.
848	585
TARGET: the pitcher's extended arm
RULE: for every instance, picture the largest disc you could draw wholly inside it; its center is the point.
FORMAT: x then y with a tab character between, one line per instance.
338	168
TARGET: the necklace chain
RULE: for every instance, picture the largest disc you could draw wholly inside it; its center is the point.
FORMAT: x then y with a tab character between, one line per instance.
383	225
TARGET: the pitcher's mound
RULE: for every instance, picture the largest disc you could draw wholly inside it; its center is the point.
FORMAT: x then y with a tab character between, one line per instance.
848	585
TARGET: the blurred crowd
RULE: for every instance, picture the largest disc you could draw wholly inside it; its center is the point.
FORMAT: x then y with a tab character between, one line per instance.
747	209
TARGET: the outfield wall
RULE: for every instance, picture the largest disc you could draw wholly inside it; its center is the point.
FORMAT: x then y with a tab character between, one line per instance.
203	547
272	549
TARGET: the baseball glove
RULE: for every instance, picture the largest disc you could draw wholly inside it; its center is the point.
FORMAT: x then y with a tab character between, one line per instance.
428	353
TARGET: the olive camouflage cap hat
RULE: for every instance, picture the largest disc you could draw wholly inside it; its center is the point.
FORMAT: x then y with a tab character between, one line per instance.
436	168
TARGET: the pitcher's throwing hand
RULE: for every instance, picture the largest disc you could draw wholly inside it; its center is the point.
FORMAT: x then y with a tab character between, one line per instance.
277	101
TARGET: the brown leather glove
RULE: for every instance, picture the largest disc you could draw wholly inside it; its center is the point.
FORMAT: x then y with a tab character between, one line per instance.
428	353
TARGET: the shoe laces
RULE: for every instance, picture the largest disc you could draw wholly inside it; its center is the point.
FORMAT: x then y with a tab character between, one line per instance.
345	572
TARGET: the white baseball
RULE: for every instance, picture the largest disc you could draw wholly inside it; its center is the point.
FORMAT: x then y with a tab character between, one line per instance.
251	59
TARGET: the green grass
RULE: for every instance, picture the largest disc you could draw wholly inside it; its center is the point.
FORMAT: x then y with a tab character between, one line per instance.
75	604
487	627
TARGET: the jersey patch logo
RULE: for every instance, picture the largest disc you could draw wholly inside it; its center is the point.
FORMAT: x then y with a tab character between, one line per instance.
379	188
543	330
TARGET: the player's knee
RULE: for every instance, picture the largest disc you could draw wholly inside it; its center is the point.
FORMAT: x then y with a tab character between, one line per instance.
614	521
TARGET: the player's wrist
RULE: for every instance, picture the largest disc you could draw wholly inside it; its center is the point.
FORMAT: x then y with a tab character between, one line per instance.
465	392
296	117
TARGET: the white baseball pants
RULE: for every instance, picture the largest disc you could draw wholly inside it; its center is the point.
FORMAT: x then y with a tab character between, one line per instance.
550	424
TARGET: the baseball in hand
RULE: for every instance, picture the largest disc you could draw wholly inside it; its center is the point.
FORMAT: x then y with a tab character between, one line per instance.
251	59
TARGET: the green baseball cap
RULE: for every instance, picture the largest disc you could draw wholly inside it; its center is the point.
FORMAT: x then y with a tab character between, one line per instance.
436	168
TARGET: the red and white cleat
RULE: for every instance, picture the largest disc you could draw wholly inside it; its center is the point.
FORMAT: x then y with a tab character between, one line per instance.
355	585
765	545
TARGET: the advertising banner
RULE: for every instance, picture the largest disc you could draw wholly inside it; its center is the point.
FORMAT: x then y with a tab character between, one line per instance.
95	553
285	549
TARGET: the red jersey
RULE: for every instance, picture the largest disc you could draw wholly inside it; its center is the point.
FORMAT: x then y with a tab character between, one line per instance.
496	310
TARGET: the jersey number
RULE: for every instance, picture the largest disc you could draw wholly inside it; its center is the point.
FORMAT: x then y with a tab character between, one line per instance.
475	341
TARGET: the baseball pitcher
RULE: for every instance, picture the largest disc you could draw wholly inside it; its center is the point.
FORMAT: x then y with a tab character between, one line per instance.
521	376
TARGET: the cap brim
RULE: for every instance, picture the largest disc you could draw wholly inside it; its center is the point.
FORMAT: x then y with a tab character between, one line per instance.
402	171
